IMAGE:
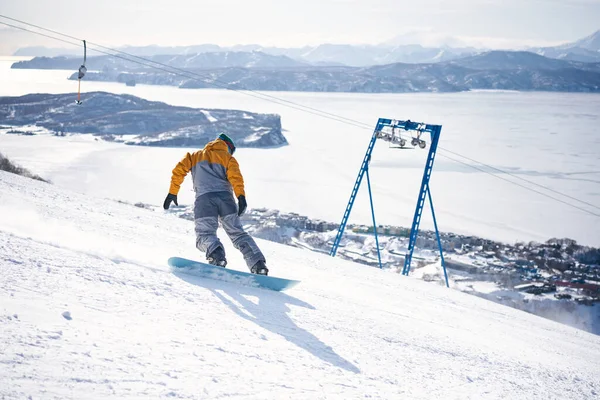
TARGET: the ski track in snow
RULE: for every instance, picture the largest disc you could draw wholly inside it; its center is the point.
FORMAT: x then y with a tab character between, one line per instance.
137	330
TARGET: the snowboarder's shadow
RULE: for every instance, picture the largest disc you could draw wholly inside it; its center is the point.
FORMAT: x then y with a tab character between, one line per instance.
272	315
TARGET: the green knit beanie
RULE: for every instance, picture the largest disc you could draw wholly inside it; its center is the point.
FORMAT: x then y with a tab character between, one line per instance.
229	142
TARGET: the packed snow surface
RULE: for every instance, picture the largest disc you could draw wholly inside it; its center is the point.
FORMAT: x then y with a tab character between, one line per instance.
89	309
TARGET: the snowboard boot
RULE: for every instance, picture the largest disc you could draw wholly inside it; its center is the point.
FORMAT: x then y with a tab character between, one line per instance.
259	268
217	257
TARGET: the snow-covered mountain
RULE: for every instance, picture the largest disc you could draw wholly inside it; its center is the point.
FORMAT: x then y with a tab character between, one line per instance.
367	55
508	70
409	48
326	54
513	60
205	60
90	309
584	50
591	42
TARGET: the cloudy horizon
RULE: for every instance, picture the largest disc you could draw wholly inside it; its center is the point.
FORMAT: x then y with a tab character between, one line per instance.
495	24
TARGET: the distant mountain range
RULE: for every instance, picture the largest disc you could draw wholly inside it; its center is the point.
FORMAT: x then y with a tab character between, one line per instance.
394	51
521	60
586	50
361	56
253	59
322	55
507	70
133	120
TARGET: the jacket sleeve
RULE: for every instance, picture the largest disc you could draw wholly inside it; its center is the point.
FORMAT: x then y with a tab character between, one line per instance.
179	172
235	177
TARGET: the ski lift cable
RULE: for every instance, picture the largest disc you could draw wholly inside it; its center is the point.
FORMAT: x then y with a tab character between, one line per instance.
523	186
523	179
194	75
337	117
291	104
190	75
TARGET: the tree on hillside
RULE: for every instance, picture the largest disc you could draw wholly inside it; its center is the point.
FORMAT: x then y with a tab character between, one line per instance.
8	166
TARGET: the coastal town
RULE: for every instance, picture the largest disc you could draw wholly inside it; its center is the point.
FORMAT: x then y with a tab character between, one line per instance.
558	267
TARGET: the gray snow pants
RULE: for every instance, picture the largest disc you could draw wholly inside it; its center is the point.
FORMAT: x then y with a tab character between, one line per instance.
211	207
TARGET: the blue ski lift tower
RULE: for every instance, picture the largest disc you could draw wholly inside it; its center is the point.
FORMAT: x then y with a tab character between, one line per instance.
398	132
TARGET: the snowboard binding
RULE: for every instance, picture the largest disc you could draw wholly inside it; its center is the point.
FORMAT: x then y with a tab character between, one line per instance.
217	257
259	268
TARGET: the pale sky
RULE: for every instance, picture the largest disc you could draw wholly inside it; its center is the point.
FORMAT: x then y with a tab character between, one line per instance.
487	23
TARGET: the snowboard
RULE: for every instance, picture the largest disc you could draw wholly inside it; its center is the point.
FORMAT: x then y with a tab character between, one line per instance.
209	271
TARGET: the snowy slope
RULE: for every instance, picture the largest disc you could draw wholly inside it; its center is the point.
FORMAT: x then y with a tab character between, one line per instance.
88	309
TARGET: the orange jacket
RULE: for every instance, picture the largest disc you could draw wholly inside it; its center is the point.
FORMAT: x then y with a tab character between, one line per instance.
213	169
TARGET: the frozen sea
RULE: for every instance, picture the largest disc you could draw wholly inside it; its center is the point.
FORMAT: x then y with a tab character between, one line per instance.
550	139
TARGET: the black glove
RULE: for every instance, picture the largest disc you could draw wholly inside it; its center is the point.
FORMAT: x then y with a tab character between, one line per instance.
241	204
170	198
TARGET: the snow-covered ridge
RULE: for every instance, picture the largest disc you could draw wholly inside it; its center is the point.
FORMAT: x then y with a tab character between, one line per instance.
89	309
406	48
504	70
132	120
204	60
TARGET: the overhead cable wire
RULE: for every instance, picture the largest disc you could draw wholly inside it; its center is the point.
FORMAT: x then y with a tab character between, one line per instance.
518	184
193	75
523	179
274	99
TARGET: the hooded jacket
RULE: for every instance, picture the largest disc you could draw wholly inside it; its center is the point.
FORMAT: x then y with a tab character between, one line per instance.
213	169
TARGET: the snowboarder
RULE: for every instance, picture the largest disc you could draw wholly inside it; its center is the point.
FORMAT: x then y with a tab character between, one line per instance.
216	173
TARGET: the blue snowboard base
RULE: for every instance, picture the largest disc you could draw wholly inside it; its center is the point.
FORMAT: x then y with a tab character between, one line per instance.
204	270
